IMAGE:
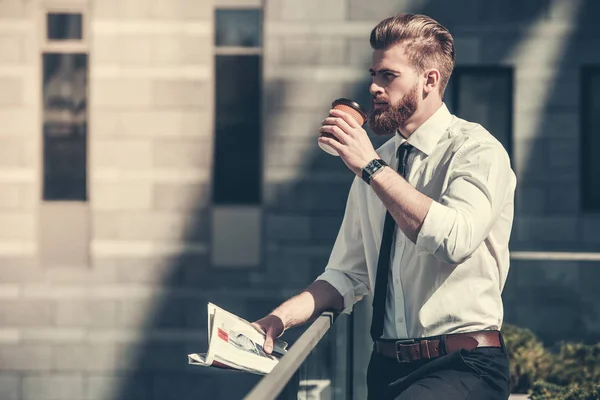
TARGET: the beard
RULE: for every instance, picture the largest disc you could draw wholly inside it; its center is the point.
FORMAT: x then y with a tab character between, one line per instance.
387	121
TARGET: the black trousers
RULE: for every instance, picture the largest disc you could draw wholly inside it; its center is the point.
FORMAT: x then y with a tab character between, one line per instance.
467	375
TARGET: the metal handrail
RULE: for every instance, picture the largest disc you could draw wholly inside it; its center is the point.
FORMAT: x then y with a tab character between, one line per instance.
275	381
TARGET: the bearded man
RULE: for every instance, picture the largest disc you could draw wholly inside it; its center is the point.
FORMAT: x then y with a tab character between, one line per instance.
426	229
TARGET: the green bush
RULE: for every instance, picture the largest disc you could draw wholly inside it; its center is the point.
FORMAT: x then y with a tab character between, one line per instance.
529	360
572	373
576	363
549	391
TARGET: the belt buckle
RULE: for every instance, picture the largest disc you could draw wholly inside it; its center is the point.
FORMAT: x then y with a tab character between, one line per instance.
402	342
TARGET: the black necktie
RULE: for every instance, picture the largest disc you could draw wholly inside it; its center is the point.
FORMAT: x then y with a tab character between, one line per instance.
383	264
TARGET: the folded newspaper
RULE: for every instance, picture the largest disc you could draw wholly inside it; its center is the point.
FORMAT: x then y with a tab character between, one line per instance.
234	343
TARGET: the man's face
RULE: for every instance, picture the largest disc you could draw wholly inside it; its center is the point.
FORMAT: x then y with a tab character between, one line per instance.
395	90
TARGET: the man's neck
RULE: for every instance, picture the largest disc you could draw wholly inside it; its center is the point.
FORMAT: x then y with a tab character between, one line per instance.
419	117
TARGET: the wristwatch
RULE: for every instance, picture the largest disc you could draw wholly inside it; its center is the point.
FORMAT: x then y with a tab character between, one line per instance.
372	168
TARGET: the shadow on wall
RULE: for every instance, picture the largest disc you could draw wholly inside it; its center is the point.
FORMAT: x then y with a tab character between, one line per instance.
293	257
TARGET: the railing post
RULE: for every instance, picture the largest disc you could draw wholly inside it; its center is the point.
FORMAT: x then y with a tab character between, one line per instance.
350	357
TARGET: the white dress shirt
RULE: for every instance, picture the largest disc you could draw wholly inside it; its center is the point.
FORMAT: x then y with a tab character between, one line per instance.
451	280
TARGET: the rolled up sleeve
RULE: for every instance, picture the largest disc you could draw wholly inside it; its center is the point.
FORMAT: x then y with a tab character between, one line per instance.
346	270
479	179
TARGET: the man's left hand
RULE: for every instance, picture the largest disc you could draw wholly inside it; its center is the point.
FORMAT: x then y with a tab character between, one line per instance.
352	144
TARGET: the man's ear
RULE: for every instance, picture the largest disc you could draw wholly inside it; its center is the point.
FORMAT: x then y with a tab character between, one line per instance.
432	80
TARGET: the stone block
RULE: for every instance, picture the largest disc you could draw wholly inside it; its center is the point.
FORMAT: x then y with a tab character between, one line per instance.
165	123
181	9
532	162
148	226
105	123
377	10
20	270
309	10
360	53
26	313
468	50
107	9
11	196
25	357
121	196
547	230
181	93
554	124
12	153
10	387
11	91
11	46
290	270
563	153
324	228
183	387
122	154
531	200
12	9
135	50
132	9
182	153
290	125
53	387
105	386
146	271
307	196
590	226
18	122
563	199
167	196
84	357
104	47
290	153
552	92
304	96
311	51
194	49
114	93
17	226
287	228
96	314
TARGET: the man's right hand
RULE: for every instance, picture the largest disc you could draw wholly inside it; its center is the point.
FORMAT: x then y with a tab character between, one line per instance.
273	327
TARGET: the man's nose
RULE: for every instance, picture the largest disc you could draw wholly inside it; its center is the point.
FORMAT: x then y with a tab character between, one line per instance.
374	89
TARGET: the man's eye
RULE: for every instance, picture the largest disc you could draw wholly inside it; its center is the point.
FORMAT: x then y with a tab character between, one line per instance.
389	76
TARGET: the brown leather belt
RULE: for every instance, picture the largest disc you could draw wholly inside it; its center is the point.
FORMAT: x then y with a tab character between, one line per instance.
407	350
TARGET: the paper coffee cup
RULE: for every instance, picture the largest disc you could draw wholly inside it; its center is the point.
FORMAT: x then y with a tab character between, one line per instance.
350	107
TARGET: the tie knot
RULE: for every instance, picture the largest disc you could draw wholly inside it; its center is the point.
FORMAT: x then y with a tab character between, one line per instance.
404	149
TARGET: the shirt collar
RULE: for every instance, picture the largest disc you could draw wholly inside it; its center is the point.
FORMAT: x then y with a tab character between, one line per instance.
429	133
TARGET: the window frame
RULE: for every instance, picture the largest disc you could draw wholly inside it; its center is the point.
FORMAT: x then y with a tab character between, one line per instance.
585	175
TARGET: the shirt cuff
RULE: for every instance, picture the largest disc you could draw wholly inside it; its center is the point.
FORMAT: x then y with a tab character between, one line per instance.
343	285
433	231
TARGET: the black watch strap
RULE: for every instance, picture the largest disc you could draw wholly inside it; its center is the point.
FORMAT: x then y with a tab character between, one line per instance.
372	168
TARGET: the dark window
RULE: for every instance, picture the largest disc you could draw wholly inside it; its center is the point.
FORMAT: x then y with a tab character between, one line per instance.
63	26
237	168
237	173
65	126
590	138
484	95
239	28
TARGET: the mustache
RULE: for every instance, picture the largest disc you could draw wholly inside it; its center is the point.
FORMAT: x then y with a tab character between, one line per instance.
379	100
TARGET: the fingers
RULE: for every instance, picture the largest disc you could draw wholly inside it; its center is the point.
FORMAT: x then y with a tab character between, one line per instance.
347	118
268	346
333	131
338	121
